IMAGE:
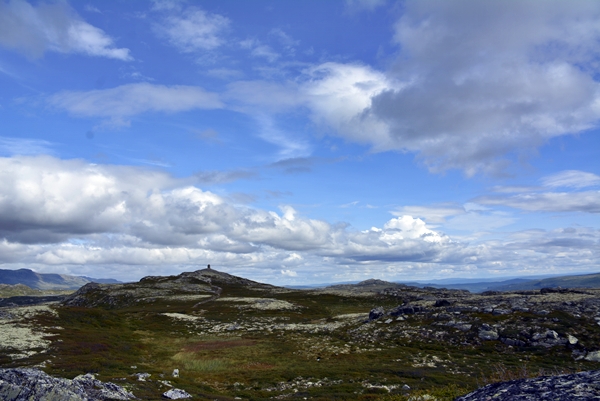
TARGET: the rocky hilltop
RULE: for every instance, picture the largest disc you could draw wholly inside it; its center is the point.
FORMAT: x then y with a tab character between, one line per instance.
225	337
201	286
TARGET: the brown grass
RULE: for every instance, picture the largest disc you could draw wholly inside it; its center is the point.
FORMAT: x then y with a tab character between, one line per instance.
213	345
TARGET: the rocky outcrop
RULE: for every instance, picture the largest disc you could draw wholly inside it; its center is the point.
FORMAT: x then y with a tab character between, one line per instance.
32	384
582	386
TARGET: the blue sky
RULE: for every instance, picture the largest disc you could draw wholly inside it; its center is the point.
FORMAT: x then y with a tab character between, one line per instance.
300	142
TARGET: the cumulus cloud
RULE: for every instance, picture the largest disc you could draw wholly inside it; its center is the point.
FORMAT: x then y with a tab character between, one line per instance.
191	29
477	91
128	100
72	213
44	200
475	84
335	95
56	27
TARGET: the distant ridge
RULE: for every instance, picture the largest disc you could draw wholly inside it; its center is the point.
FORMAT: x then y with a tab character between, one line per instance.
47	281
522	284
578	281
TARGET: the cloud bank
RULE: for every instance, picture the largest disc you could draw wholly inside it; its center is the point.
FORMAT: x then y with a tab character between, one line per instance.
71	213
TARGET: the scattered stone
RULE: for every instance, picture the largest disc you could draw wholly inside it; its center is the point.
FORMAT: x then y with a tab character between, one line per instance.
388	321
488	335
572	339
593	356
175	372
584	386
513	342
442	302
142	376
376	313
407	310
176	394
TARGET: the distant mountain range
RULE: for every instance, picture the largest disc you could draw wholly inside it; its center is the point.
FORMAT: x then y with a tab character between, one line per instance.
519	284
47	281
486	284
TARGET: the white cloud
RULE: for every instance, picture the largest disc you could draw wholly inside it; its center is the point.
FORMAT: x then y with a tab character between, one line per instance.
258	49
290	145
191	29
586	201
431	214
128	100
338	96
46	200
335	96
471	220
572	179
24	146
465	92
289	273
286	40
34	30
543	199
477	91
71	213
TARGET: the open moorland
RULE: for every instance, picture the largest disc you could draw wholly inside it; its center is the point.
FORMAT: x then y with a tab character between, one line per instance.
218	336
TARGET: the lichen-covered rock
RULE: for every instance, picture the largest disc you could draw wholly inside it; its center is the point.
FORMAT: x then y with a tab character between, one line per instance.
584	386
593	356
31	384
176	394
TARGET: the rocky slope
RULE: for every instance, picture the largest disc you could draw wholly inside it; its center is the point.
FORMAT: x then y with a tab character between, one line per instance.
35	385
584	386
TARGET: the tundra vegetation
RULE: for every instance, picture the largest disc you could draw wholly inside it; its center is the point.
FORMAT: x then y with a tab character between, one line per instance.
218	336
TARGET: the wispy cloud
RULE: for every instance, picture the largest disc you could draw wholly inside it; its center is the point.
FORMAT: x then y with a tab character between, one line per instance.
220	177
296	165
25	146
33	30
125	101
290	145
191	29
545	198
572	179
